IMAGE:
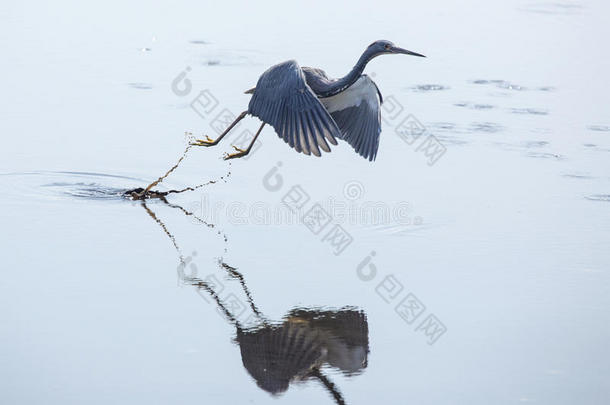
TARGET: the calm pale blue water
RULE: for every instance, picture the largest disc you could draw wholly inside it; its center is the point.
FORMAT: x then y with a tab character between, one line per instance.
468	264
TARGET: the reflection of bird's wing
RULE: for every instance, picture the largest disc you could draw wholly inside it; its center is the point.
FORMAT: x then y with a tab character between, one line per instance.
347	336
283	100
349	324
357	112
275	356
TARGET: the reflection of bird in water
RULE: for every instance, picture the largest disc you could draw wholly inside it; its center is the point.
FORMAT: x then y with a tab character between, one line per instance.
296	349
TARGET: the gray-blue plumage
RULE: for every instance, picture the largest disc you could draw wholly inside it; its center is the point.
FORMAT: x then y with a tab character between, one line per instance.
309	110
283	100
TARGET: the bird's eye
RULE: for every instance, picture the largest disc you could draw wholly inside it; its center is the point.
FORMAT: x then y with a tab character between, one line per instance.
387	47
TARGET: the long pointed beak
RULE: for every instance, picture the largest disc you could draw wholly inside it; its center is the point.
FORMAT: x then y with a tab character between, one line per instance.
396	49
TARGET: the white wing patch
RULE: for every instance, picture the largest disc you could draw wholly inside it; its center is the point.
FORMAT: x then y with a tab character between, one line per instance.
363	90
357	112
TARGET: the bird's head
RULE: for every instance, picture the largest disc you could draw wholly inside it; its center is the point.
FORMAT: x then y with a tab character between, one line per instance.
383	47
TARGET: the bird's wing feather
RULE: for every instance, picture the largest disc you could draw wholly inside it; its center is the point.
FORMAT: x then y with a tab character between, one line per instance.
357	112
283	100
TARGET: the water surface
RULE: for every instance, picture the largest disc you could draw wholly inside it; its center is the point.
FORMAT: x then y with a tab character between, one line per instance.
477	276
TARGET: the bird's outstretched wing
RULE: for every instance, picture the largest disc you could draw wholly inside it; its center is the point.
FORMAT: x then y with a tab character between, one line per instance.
357	112
283	100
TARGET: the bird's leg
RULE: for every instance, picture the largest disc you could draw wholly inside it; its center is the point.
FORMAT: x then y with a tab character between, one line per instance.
241	152
211	142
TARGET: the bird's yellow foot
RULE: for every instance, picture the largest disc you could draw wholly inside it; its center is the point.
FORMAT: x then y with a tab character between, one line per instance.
239	154
203	142
238	149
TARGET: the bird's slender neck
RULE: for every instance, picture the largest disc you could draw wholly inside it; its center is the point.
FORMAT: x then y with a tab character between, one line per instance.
343	83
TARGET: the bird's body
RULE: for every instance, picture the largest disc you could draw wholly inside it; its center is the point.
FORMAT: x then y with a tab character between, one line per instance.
309	110
354	108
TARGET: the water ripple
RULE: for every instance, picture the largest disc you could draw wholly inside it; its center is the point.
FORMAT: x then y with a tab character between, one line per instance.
84	185
599	197
545	155
474	106
140	86
442	126
577	176
487	127
503	84
506	85
429	87
557	8
529	111
535	144
89	191
599	128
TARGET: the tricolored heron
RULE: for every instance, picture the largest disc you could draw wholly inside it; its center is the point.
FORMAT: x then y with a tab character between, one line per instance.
309	110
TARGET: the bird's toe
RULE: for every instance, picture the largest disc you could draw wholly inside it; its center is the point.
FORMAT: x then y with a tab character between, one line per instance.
203	142
228	156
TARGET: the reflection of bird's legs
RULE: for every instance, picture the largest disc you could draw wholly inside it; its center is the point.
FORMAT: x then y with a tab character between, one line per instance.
211	142
162	225
329	385
193	280
241	152
236	274
204	286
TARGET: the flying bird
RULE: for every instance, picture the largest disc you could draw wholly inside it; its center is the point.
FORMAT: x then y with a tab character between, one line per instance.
309	110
